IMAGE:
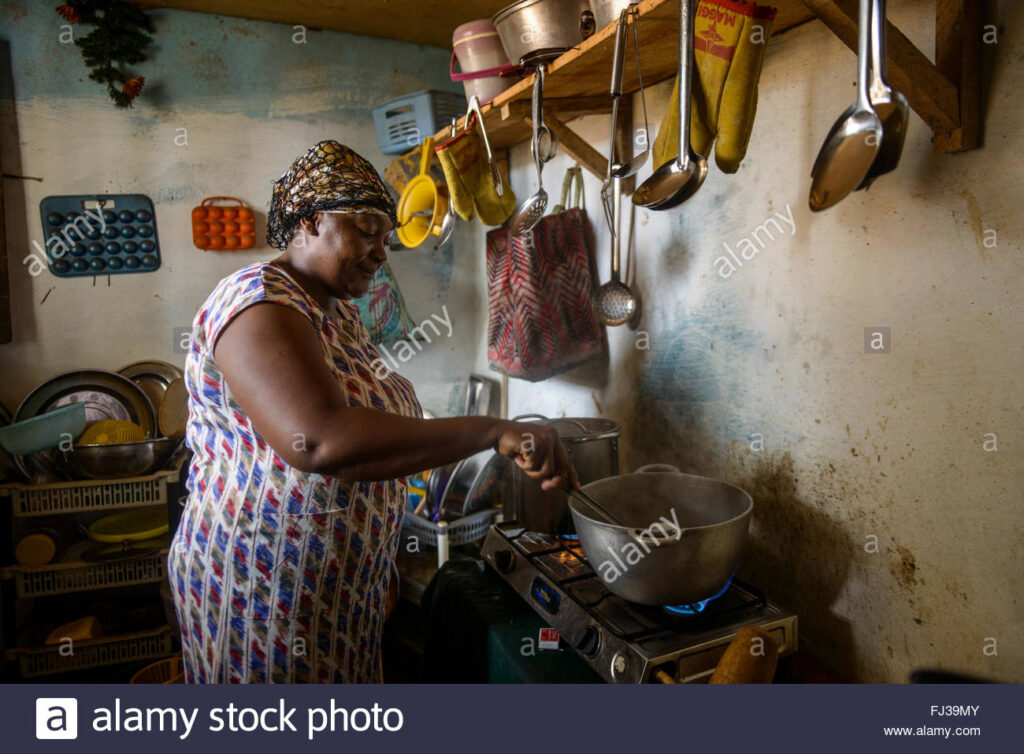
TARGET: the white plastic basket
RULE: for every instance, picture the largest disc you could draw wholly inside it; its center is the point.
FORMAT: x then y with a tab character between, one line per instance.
446	534
65	578
85	497
110	650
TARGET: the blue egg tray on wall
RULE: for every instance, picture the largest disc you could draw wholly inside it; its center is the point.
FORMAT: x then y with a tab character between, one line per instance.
99	234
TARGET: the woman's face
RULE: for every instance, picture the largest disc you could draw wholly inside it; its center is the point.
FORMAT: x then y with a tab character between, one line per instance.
348	249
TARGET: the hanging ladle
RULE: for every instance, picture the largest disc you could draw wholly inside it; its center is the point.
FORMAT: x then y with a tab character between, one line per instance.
614	303
853	143
532	209
889	105
616	168
633	165
679	179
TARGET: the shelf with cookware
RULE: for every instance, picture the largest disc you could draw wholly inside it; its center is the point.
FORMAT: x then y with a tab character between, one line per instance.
83	546
944	94
717	49
112	581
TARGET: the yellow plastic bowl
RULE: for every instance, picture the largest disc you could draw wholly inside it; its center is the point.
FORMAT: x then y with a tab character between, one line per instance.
169	670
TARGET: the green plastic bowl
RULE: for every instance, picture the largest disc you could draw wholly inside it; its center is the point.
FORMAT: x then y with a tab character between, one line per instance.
44	431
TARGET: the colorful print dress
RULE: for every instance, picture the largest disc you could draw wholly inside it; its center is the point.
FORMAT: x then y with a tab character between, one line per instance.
278	575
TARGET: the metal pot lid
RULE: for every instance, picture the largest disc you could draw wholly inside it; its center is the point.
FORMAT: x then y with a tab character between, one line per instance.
578	429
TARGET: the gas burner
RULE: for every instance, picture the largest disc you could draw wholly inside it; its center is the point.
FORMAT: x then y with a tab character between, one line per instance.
696	608
623	641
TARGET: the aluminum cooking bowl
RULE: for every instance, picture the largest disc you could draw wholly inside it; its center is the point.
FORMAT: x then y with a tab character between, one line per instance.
119	461
682	539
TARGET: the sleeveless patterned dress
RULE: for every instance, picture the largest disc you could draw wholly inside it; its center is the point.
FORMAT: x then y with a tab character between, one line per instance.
278	575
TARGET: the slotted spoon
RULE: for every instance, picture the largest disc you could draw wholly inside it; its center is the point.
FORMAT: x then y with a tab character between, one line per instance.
529	213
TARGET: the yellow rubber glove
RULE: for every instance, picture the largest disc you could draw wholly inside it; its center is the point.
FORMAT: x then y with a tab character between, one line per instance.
730	41
464	161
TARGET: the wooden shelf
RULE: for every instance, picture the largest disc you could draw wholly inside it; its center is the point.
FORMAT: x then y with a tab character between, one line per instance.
576	83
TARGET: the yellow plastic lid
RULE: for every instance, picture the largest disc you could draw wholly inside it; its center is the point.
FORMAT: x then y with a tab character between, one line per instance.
35	549
129	525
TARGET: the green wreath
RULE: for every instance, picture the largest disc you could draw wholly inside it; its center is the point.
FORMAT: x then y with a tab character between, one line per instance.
120	37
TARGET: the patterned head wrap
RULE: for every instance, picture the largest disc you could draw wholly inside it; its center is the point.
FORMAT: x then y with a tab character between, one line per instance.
328	176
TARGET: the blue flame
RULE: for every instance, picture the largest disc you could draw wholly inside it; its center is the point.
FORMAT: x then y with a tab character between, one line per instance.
696	608
571	537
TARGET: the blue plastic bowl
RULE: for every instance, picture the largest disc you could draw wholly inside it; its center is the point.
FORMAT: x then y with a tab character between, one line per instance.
44	431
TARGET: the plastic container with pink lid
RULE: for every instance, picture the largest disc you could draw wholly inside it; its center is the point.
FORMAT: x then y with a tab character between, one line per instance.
486	71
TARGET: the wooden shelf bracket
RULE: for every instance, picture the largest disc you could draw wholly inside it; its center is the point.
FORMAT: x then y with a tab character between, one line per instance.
945	93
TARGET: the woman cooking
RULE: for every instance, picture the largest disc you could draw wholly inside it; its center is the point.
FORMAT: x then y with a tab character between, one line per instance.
283	560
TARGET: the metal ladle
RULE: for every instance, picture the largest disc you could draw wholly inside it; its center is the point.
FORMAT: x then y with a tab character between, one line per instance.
677	180
634	320
853	143
532	209
614	303
615	92
616	168
889	105
658	532
631	166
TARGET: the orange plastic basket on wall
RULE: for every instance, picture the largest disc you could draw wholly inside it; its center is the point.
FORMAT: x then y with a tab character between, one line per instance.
219	228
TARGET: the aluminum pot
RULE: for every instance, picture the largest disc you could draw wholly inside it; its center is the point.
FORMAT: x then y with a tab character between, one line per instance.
593	447
537	31
682	536
607	11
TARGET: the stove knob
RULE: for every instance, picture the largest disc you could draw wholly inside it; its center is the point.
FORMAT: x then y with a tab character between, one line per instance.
619	666
590	642
504	560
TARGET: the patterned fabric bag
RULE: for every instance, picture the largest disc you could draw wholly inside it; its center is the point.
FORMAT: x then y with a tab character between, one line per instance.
383	310
540	320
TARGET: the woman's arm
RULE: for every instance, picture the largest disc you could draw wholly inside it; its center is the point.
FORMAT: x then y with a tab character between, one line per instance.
275	368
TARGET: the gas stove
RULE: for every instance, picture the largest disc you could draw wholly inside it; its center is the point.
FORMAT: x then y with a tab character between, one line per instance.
623	641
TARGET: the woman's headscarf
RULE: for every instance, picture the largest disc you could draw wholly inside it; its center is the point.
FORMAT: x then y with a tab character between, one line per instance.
328	176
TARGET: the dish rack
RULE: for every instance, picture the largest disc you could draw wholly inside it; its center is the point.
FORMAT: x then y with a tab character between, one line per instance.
21	586
110	650
447	534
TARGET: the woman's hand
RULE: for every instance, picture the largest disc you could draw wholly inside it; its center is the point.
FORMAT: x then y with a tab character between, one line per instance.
537	450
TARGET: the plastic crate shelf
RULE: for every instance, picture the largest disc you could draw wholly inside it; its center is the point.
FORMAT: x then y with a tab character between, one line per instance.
66	578
88	496
110	650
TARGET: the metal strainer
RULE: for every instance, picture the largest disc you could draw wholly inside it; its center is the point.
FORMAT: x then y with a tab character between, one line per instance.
614	303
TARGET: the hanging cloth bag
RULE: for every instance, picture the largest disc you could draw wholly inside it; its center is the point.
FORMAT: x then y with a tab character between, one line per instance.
539	285
383	310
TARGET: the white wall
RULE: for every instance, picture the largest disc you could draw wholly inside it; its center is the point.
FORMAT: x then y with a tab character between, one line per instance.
251	100
854	446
